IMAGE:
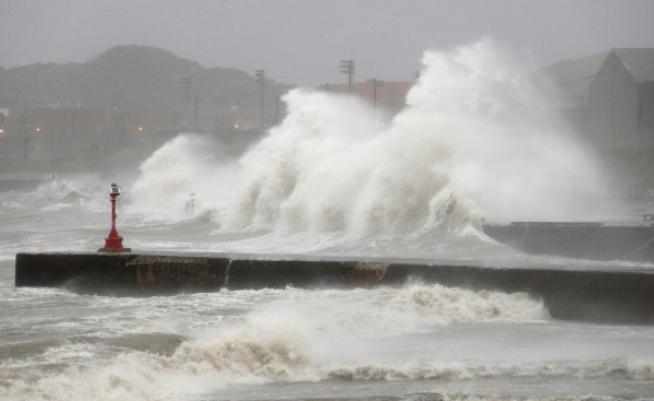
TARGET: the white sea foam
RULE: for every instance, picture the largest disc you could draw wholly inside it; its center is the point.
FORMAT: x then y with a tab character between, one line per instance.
59	193
204	367
185	177
617	368
390	311
289	335
477	140
499	397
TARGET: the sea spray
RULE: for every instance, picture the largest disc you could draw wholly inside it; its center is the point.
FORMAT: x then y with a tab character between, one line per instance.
478	139
313	173
191	169
511	154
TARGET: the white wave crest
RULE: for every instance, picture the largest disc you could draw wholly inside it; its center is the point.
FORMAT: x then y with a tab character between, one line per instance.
618	368
476	140
388	311
206	367
291	335
495	397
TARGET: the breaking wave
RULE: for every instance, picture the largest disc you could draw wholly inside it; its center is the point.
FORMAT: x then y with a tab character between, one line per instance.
413	308
615	368
495	397
290	336
197	368
477	140
56	193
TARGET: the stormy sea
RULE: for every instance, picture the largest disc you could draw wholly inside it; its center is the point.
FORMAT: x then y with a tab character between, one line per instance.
476	143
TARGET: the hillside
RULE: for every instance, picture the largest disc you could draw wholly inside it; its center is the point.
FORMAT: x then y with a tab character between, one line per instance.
130	74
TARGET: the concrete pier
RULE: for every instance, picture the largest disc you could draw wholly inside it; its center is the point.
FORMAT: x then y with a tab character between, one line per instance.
578	239
597	294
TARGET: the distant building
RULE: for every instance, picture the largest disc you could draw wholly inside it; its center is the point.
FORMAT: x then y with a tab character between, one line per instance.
390	97
64	131
56	131
621	101
609	98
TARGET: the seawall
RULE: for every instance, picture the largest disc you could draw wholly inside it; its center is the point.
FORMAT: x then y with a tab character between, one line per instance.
606	295
578	239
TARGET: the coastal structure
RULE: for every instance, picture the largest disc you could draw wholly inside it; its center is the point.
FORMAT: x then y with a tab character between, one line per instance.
609	98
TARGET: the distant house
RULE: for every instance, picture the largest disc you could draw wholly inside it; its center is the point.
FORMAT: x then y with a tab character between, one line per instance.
609	98
621	101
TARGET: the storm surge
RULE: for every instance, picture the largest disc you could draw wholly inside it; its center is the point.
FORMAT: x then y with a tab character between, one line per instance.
478	140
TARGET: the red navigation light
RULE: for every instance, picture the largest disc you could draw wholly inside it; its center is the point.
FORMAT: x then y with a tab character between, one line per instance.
114	242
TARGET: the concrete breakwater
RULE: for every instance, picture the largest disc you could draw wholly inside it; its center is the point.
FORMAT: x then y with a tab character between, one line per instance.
608	295
578	239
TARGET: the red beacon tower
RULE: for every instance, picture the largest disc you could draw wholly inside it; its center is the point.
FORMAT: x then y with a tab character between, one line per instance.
114	242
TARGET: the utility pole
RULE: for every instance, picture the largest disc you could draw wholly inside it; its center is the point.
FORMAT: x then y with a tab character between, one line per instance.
260	77
347	68
50	143
186	85
22	121
376	83
195	113
278	107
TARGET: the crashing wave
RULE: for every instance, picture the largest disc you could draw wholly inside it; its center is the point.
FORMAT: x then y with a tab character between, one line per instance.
476	140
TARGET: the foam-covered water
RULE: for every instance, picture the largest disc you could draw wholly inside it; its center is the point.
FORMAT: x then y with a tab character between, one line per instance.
475	142
58	345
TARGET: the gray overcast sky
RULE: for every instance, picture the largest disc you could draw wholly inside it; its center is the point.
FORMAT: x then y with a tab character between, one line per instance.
303	41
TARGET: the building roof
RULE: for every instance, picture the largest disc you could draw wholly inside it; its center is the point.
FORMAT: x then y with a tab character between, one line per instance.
639	62
573	76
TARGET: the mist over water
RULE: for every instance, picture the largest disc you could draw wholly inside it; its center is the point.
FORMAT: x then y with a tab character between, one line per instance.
477	141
